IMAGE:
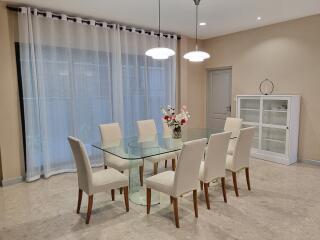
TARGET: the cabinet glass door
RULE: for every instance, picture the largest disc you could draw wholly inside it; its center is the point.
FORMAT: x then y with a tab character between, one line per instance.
275	112
274	125
250	111
274	140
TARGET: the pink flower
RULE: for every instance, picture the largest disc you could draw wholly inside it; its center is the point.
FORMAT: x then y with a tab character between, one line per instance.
183	121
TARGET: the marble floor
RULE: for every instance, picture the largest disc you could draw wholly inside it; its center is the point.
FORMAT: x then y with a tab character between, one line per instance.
283	204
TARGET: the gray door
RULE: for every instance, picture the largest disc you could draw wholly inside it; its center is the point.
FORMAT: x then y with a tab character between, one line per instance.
218	97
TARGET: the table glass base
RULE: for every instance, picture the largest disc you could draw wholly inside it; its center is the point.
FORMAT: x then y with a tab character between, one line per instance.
137	193
140	197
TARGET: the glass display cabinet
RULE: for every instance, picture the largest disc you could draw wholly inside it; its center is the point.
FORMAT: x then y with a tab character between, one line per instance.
276	118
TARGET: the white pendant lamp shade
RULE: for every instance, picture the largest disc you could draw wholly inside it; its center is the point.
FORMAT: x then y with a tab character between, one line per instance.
160	52
196	56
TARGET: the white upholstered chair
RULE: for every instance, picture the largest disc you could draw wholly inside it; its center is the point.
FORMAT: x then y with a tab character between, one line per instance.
214	165
94	182
111	136
183	180
147	130
240	158
232	125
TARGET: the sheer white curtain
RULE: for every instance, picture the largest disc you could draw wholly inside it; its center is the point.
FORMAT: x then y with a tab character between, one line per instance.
147	84
76	76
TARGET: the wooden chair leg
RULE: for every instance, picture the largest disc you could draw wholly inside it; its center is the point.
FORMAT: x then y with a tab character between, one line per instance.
201	185
126	198
248	178
155	168
165	164
171	201
195	203
235	185
173	164
223	185
112	194
206	193
105	167
175	211
148	200
141	175
90	202
120	189
79	200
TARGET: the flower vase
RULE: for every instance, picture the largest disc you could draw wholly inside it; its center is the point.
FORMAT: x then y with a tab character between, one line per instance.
176	132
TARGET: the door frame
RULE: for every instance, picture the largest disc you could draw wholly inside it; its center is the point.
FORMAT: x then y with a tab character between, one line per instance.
208	70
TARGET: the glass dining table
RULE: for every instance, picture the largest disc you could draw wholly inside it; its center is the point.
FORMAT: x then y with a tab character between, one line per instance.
133	149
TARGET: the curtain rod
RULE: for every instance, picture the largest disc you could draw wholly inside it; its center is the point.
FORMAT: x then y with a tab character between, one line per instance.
97	23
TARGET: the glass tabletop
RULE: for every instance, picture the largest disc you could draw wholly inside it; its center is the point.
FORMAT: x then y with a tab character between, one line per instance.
133	148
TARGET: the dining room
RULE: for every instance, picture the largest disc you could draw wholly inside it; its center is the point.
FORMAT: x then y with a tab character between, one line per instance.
158	119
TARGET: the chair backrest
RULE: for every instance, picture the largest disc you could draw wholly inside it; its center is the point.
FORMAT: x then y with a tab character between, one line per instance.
82	163
215	159
146	128
242	149
110	134
233	125
187	171
167	131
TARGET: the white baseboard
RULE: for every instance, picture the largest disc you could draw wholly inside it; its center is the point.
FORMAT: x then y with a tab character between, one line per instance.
310	161
11	181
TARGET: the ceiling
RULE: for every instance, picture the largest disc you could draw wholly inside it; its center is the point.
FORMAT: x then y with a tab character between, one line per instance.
222	16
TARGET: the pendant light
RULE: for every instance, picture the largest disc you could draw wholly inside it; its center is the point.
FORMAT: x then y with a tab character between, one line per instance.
160	52
196	56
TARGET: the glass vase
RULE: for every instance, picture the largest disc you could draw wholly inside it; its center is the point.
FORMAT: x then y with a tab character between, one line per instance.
176	132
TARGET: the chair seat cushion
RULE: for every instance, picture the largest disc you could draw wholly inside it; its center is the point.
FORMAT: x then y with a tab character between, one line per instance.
234	167
108	179
204	178
161	157
230	149
231	146
201	171
229	163
162	182
122	164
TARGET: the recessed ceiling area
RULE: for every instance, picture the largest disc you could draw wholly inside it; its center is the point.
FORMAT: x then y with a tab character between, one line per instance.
222	16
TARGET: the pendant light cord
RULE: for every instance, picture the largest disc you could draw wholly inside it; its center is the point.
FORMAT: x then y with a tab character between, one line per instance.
159	25
197	27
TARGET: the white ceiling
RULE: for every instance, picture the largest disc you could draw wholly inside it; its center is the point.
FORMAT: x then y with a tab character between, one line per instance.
221	16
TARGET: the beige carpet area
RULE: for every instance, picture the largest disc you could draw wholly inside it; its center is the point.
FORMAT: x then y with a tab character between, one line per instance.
284	204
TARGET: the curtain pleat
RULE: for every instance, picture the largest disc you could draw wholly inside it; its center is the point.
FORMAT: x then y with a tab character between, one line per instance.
77	76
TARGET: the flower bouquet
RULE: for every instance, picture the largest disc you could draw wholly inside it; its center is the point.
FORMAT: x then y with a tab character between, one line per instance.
175	121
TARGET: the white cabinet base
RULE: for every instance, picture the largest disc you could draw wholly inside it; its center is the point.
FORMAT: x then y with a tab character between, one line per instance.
272	157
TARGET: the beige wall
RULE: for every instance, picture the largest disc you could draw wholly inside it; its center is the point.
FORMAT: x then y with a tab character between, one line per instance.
10	126
192	84
287	53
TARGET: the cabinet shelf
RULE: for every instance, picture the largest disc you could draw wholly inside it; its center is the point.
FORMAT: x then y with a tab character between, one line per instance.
275	111
249	109
274	140
273	126
251	123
